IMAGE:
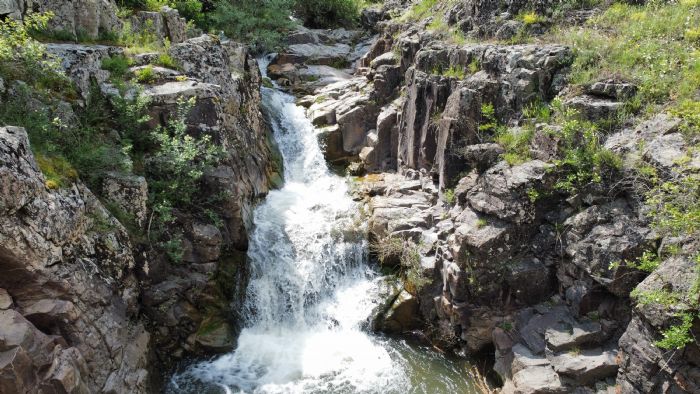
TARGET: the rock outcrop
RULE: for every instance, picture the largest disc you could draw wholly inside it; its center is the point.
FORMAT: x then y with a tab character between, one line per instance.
69	320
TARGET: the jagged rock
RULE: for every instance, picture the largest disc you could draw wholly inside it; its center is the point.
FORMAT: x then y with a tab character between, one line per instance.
83	63
55	263
601	235
129	193
502	190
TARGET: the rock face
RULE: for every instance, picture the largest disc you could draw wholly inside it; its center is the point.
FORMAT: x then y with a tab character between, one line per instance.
90	18
165	24
189	304
68	270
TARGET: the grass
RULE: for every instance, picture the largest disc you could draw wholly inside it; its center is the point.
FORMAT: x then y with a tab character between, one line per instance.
652	45
146	75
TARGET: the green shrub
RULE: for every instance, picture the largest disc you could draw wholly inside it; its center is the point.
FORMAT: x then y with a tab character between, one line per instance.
261	23
117	65
146	75
449	196
327	13
678	336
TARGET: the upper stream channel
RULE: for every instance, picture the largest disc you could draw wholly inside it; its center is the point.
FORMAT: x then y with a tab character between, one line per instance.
311	289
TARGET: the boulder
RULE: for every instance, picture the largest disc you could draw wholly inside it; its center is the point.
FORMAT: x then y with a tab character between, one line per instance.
595	109
503	190
585	366
165	24
5	300
403	314
604	234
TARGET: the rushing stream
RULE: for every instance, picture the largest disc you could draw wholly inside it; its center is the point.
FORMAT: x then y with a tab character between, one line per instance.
311	290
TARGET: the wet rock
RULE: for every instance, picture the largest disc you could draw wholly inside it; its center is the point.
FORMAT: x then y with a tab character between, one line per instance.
402	315
215	336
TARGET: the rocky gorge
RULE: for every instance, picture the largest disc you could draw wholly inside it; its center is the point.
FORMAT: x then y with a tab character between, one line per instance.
539	225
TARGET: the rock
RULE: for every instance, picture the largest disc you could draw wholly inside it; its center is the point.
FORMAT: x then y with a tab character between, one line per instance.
86	17
5	300
509	29
667	151
83	63
482	156
586	366
521	276
129	193
595	109
165	24
502	190
12	8
613	89
215	336
602	234
535	380
402	315
53	240
566	336
207	241
388	58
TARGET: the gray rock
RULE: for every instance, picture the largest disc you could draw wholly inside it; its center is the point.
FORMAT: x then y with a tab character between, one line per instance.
568	336
603	234
502	190
595	109
129	193
586	366
85	17
613	89
83	63
5	299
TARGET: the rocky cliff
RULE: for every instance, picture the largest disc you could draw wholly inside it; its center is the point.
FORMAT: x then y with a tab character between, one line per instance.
91	299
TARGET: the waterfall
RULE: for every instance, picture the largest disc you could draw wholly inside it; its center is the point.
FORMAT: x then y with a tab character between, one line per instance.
310	288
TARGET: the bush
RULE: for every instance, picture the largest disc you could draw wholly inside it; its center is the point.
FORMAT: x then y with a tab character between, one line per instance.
146	75
327	13
261	23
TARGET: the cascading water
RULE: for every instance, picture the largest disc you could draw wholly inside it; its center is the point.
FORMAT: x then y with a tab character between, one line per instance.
311	290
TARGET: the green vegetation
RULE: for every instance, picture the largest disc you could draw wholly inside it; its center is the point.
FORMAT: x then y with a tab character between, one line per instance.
651	45
531	18
449	196
146	75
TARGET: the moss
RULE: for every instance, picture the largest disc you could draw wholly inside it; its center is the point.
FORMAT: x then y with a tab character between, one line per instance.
57	171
